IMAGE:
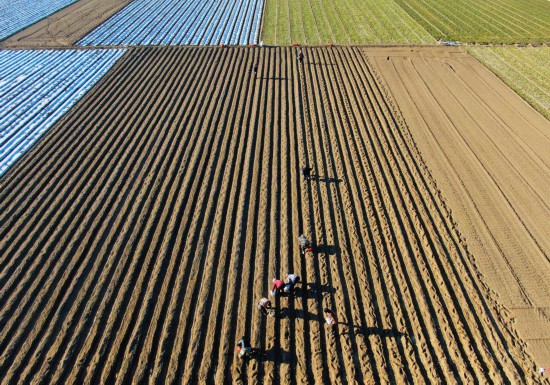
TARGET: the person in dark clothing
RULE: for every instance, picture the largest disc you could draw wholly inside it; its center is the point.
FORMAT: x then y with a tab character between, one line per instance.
255	69
306	172
300	56
291	281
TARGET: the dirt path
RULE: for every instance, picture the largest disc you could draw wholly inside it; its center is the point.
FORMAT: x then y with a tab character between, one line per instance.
138	235
488	151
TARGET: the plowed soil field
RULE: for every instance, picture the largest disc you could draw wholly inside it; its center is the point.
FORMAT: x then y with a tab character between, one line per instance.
137	236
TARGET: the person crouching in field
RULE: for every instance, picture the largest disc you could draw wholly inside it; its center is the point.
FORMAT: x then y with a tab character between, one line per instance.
291	281
306	172
244	349
331	320
277	287
264	305
305	244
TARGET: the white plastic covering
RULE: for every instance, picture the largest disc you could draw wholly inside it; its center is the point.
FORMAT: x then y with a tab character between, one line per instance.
180	22
38	87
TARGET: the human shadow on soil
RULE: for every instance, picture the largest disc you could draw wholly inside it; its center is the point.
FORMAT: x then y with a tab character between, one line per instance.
368	331
325	179
273	78
312	290
277	355
321	64
326	249
299	313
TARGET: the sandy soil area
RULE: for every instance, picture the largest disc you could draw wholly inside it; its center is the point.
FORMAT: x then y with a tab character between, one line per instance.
65	27
137	236
488	150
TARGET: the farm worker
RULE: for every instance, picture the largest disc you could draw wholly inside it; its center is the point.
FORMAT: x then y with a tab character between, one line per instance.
300	56
306	172
291	281
541	371
244	349
255	69
277	287
331	320
264	305
305	244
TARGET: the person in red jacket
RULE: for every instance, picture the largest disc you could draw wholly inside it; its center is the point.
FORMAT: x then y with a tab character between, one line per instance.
278	286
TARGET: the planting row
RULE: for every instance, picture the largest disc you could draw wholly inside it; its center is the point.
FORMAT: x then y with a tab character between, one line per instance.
187	22
491	21
37	88
314	22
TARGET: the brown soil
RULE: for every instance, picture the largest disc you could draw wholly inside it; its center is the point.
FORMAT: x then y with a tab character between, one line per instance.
137	236
65	27
489	152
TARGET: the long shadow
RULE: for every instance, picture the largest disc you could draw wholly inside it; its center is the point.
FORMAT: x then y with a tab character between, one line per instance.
321	64
325	179
273	78
299	313
277	355
314	288
367	331
326	249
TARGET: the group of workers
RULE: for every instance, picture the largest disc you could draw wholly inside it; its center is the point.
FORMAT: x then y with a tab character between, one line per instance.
266	308
281	287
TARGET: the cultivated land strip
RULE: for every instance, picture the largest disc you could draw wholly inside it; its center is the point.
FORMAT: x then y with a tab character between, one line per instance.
138	235
474	131
319	22
484	21
525	69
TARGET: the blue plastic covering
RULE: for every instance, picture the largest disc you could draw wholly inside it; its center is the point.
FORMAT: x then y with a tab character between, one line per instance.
180	22
19	14
38	87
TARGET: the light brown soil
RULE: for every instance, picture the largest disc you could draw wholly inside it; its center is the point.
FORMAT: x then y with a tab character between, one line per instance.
65	27
137	236
489	153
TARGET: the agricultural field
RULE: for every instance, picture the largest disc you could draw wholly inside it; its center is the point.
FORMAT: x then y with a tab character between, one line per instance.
37	88
319	22
188	22
137	236
483	21
65	27
525	69
16	15
488	150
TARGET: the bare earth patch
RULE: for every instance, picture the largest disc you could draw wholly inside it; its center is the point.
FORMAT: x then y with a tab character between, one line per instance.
489	153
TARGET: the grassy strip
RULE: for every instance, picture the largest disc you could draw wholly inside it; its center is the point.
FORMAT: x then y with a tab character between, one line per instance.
344	22
525	69
483	21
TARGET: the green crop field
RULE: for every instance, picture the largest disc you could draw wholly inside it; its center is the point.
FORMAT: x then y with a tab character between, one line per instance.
315	22
524	69
484	21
